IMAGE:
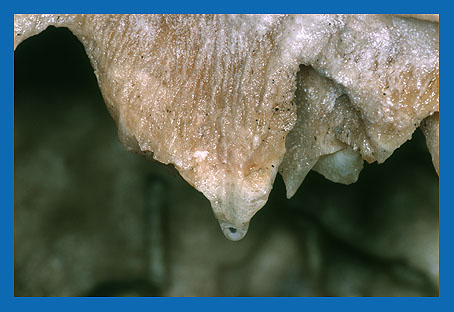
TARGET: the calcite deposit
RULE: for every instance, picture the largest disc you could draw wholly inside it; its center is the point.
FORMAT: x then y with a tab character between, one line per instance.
231	99
326	119
430	128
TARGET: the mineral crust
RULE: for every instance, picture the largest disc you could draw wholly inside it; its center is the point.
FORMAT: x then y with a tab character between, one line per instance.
217	95
430	127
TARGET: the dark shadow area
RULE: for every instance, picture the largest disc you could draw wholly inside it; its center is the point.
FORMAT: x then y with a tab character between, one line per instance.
124	288
53	60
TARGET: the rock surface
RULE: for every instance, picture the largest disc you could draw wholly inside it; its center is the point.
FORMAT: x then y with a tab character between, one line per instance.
214	94
430	127
93	219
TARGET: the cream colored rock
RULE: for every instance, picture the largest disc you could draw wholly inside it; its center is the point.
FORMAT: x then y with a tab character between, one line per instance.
389	68
342	166
213	94
425	17
327	124
380	71
210	94
430	127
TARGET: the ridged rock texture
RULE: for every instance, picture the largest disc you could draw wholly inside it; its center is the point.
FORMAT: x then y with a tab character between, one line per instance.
231	99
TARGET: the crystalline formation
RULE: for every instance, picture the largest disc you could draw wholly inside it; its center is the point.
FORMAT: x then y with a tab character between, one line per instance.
231	100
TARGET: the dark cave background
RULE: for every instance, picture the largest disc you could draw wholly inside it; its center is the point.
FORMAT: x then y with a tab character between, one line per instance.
92	219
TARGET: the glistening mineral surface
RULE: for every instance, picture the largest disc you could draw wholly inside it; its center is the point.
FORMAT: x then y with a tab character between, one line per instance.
230	99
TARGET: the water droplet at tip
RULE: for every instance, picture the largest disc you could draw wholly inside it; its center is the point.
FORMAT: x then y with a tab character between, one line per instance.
232	232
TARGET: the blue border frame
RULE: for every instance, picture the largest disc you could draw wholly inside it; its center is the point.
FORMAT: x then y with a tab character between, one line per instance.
9	302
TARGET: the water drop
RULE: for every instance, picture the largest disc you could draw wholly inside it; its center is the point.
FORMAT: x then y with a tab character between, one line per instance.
232	232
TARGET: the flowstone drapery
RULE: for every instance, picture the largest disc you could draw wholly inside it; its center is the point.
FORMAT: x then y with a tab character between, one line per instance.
232	100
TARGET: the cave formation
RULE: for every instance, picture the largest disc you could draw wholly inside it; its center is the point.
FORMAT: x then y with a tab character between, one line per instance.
215	95
357	96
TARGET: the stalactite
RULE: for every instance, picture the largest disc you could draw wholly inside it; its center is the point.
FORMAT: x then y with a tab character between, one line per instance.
230	100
